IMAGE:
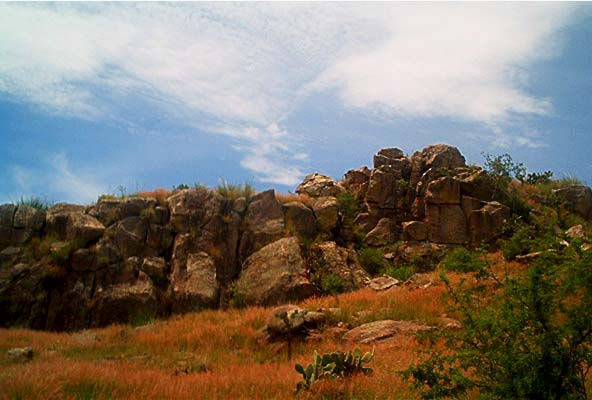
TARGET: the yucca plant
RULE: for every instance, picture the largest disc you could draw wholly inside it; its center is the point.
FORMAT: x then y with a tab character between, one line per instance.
333	365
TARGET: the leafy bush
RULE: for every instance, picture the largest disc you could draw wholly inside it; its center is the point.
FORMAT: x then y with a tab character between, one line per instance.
348	207
372	259
518	244
35	202
401	273
463	260
332	284
526	336
233	191
535	178
333	365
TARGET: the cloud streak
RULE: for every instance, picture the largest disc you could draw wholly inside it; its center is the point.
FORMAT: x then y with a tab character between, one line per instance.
242	69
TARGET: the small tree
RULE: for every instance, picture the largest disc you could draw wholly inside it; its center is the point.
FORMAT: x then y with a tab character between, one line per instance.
527	336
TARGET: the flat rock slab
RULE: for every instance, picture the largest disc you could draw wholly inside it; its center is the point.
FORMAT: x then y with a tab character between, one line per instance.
383	283
20	355
382	330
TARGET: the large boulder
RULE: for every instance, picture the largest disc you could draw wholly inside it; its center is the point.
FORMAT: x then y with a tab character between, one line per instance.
445	190
110	209
83	228
263	224
275	274
486	223
329	258
194	284
415	230
300	219
578	198
447	224
384	233
387	187
27	222
438	156
356	181
317	185
326	211
189	208
129	237
135	302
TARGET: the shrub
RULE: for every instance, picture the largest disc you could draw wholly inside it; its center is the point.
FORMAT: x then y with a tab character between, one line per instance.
332	284
535	178
526	336
35	202
372	260
463	260
401	273
518	244
333	365
348	207
233	191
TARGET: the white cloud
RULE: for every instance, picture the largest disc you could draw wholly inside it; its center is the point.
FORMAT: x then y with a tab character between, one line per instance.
56	175
248	66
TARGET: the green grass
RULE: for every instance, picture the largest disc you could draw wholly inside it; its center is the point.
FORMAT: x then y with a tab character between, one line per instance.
234	191
35	202
463	260
372	259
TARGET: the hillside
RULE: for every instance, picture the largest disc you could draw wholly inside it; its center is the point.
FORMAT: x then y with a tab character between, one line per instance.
190	277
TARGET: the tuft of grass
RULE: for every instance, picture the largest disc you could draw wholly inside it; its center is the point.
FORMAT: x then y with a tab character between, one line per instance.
349	207
233	191
36	202
372	259
160	195
401	273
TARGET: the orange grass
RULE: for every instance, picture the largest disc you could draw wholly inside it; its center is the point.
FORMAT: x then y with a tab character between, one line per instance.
301	198
151	361
160	195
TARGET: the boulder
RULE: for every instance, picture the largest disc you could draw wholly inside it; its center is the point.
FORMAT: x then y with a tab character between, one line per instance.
300	219
20	355
477	184
129	237
27	222
317	185
194	284
486	223
438	156
384	233
6	219
578	198
445	190
189	208
135	302
263	224
286	319
70	302
415	230
387	156
155	268
83	228
447	224
381	330
326	211
386	187
423	255
341	262
383	283
275	274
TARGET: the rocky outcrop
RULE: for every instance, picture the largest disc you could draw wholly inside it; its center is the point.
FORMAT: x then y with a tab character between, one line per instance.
578	198
300	219
317	185
326	211
341	262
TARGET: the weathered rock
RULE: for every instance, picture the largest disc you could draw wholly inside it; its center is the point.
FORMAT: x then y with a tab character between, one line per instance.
136	302
129	237
83	228
364	222
240	205
415	230
445	190
439	156
576	232
27	223
285	319
381	330
194	285
263	223
382	283
578	198
446	224
189	208
70	302
275	274
83	260
20	355
486	223
326	211
423	255
477	184
341	262
385	232
387	156
300	219
6	219
356	181
155	268
386	187
317	185
10	253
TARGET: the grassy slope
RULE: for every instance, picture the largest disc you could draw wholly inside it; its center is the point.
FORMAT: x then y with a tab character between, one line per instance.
153	361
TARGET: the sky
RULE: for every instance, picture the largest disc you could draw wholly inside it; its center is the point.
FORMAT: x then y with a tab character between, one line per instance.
99	98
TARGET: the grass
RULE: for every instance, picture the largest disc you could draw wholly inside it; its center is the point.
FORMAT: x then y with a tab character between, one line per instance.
305	199
234	191
210	355
38	203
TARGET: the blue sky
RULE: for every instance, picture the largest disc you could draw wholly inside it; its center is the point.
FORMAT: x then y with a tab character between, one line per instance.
149	95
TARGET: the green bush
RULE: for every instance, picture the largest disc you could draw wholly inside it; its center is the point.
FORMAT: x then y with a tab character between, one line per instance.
463	260
348	208
333	365
372	259
401	273
518	244
332	284
524	336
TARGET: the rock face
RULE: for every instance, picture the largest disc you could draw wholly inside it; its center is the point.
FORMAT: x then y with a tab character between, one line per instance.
132	259
275	274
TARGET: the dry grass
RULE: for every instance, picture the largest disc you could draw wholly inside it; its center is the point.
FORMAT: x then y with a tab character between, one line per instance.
305	199
160	195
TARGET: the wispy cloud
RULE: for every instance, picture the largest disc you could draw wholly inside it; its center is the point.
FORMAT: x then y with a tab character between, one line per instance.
247	67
